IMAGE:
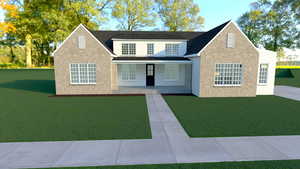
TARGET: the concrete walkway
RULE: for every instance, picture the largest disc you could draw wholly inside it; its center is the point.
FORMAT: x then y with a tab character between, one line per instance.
288	92
170	144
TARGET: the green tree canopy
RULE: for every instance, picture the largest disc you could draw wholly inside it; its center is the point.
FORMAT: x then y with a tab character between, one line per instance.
271	24
180	15
134	14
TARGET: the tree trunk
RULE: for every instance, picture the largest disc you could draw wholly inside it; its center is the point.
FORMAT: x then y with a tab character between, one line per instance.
28	47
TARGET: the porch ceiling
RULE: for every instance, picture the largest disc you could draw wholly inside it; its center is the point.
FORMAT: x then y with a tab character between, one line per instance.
141	60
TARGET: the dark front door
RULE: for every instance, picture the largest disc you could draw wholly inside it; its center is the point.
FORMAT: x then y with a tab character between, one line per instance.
150	74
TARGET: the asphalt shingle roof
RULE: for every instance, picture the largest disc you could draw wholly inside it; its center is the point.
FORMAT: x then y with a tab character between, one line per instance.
195	40
152	58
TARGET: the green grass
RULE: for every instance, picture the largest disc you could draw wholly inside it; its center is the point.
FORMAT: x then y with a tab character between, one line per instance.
288	77
27	113
291	164
228	117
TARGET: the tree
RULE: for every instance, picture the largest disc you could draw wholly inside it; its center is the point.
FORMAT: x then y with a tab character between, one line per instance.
11	10
134	14
179	15
271	24
50	22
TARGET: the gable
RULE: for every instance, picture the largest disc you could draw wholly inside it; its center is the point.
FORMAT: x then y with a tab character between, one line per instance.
229	38
73	40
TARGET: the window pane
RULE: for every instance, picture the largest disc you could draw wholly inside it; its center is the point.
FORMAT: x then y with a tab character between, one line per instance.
128	72
263	73
171	72
172	49
83	73
128	49
228	74
150	49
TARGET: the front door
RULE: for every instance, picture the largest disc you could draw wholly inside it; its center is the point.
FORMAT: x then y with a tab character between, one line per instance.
150	74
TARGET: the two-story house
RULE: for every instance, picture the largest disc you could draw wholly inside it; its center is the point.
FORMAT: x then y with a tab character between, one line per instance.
219	63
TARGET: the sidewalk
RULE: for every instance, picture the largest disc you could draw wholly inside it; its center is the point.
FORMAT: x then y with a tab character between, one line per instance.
170	144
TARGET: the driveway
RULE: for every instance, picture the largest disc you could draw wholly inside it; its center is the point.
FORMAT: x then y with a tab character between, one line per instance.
169	144
288	92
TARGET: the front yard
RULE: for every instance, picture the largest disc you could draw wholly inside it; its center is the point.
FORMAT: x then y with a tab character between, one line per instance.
29	114
228	117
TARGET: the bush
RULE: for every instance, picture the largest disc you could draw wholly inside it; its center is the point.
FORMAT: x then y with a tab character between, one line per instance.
284	73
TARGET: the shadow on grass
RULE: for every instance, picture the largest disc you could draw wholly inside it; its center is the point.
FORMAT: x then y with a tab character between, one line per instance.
42	86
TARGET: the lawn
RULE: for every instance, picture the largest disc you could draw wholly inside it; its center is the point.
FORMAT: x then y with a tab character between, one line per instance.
228	117
29	114
288	77
291	164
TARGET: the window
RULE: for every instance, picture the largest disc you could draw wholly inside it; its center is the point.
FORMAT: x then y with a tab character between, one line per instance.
228	74
128	72
83	73
128	49
230	40
150	49
172	49
171	72
263	73
81	42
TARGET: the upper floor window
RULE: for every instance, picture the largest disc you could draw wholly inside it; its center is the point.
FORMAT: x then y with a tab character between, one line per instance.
81	42
228	74
263	73
128	49
230	40
172	49
83	73
150	49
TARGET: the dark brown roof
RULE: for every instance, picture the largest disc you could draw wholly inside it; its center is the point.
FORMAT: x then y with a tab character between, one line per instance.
151	58
195	40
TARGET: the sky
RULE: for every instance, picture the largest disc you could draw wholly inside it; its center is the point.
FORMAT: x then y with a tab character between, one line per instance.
215	12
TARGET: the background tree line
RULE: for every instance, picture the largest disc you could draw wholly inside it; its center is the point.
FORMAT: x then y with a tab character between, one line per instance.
273	24
39	26
34	28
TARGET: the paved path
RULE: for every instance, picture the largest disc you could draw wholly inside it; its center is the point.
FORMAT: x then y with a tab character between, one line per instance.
288	92
170	144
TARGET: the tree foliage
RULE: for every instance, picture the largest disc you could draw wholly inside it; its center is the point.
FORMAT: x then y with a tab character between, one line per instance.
271	24
50	22
134	14
11	11
180	15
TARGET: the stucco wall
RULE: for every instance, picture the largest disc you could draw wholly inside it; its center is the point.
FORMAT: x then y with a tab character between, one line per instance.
93	53
141	47
217	52
267	57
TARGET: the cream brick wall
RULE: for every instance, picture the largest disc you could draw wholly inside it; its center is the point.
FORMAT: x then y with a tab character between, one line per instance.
217	52
93	53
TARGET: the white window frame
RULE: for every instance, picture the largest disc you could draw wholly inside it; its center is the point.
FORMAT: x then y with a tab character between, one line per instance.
81	42
89	74
168	70
130	49
230	40
172	49
150	49
236	75
128	71
263	74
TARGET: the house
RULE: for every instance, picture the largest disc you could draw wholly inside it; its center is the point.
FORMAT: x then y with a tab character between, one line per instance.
221	62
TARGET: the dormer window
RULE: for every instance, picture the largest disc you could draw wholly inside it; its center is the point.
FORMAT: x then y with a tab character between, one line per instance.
172	49
128	49
230	40
81	42
150	49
